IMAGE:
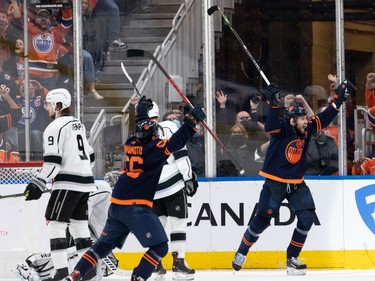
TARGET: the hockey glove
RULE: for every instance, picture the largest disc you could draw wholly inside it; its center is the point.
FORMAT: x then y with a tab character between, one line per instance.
272	94
141	111
340	95
194	116
35	189
191	186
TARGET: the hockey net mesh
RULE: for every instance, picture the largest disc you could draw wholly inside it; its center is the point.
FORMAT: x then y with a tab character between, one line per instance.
18	173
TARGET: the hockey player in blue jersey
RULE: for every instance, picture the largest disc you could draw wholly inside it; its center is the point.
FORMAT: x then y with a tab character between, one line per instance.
132	197
284	168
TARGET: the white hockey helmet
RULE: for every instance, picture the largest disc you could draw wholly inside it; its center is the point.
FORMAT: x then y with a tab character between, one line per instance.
59	95
154	111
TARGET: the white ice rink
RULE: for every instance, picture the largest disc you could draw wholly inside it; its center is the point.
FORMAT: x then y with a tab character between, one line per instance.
261	275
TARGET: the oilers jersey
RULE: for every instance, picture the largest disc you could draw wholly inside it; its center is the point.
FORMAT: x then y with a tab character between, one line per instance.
286	155
68	157
143	166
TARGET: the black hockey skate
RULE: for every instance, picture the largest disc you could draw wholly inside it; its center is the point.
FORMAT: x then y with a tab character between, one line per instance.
74	276
159	272
295	267
180	269
238	261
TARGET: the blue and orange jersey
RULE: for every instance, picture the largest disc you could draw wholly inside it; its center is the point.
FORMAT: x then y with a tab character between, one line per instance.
44	46
286	155
143	166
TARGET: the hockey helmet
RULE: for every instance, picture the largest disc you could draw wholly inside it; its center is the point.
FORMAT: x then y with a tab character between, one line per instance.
294	111
154	111
146	130
59	95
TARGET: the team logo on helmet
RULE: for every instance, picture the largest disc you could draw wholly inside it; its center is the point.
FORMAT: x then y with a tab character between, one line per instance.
294	150
365	199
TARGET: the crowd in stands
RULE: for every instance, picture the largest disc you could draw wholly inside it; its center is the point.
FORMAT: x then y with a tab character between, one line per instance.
50	65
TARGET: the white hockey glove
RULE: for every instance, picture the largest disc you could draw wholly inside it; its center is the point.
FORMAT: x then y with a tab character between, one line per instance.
191	186
35	189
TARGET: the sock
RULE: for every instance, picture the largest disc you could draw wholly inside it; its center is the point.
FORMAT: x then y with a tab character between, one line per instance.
297	242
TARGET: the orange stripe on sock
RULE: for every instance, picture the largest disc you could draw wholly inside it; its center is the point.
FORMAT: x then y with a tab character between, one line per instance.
150	259
297	244
90	259
247	242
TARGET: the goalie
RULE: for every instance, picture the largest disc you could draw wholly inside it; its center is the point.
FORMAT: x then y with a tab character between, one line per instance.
40	266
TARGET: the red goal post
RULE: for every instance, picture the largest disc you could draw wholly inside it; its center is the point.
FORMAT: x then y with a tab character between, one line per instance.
18	173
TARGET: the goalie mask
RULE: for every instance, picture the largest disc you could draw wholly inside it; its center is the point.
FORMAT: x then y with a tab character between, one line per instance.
112	177
146	130
58	95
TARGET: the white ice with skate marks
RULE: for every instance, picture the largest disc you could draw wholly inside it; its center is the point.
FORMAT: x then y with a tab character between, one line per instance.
258	275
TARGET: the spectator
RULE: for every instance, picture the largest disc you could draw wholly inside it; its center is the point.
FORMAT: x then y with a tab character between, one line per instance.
246	137
6	152
363	166
8	92
322	155
109	12
38	119
370	99
44	46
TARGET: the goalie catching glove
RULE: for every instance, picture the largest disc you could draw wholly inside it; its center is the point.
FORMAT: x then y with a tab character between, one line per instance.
191	186
35	189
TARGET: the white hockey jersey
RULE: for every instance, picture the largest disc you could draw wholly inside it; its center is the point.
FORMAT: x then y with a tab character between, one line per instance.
176	170
98	205
68	157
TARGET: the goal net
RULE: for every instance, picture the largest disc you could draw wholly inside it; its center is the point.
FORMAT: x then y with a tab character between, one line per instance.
23	229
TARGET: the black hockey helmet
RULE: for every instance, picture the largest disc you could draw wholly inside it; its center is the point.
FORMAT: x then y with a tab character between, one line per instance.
294	111
145	130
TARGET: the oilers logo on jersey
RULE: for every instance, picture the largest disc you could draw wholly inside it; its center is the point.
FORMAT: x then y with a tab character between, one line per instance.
43	43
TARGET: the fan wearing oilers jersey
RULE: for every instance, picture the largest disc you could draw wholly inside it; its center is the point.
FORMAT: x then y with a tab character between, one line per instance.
68	160
177	181
44	42
284	168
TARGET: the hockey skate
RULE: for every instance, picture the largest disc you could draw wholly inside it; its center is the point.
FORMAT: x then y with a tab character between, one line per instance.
180	269
295	267
136	278
238	261
74	276
26	273
159	272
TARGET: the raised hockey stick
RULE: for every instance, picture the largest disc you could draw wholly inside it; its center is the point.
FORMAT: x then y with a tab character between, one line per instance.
130	79
143	53
215	8
19	194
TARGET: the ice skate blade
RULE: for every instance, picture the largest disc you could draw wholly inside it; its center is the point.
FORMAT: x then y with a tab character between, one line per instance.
182	276
293	271
158	277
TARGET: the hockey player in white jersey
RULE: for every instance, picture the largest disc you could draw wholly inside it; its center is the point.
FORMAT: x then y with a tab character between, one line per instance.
40	266
177	181
68	160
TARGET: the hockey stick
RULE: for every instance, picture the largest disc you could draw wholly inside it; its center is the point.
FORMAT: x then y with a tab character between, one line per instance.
130	79
143	53
19	194
215	8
